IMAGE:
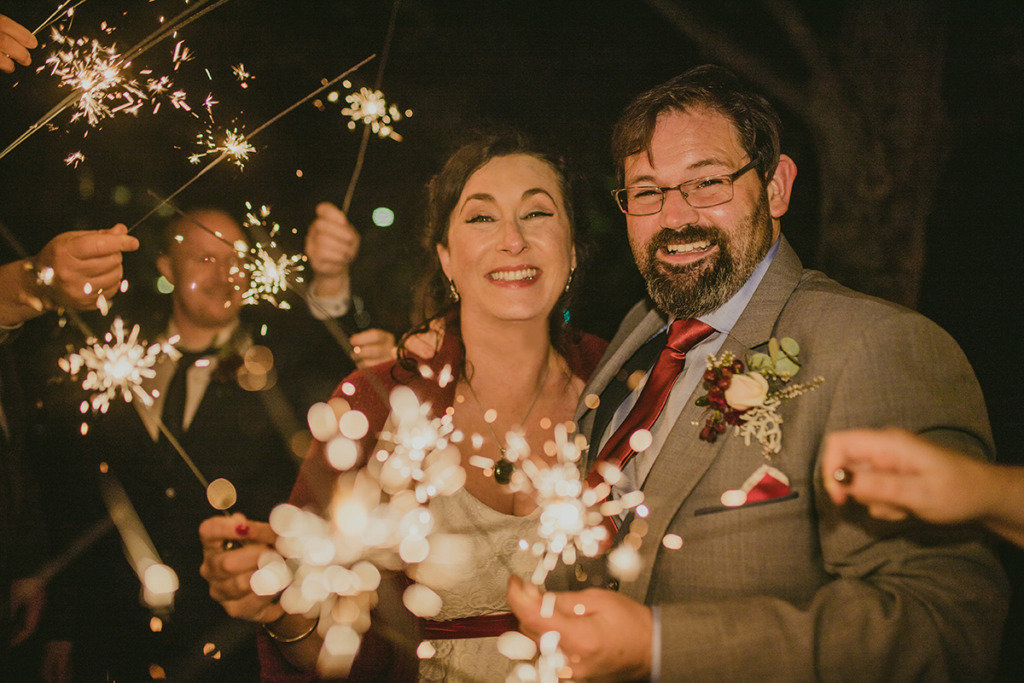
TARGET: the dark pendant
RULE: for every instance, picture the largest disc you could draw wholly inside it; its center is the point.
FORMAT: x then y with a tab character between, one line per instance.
503	470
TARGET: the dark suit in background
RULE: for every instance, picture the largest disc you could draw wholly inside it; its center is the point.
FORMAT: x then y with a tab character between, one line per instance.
251	438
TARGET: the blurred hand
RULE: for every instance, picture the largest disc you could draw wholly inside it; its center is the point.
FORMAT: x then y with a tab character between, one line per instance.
426	344
602	633
894	472
332	243
372	347
28	598
81	264
228	571
15	42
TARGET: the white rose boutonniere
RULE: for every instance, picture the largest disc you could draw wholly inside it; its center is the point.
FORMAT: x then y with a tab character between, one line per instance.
746	391
747	396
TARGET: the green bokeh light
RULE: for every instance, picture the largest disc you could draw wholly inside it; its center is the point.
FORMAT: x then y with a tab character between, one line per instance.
383	217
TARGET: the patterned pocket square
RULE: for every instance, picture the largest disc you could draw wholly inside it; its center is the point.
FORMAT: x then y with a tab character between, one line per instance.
766	485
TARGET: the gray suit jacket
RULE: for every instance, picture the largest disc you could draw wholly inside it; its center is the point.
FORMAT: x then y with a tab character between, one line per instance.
798	589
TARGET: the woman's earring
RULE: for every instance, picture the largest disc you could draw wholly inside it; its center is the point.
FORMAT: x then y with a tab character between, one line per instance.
568	282
455	292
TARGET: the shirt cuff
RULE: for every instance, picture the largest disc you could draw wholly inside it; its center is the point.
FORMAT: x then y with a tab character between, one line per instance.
328	307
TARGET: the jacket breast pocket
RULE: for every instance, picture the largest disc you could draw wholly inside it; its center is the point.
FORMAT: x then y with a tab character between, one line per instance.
718	509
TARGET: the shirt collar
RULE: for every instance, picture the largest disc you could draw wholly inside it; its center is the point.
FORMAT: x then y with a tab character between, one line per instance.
222	337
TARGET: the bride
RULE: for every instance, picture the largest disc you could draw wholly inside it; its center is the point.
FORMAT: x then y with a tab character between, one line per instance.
501	224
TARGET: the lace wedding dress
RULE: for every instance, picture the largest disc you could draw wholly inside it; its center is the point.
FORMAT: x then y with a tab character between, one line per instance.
489	549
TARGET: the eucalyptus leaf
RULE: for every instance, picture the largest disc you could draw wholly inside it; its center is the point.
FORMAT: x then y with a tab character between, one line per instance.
773	349
786	368
790	347
759	362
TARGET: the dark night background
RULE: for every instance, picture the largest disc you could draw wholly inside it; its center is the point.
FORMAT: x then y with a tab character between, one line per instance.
939	131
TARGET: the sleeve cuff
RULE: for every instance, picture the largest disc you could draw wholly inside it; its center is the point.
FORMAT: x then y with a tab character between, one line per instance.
328	307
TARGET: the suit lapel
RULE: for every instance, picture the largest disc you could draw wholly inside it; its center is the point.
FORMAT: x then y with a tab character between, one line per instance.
639	325
685	458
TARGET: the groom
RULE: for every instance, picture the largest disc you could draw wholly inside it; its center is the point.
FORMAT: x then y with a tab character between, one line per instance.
748	571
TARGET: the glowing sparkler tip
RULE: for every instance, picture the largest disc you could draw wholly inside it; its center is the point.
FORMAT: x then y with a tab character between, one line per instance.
74	159
233	144
120	364
370	108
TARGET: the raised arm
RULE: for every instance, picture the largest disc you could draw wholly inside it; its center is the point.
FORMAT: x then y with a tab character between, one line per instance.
72	270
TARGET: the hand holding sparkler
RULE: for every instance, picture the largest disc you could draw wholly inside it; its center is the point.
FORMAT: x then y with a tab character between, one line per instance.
15	42
229	571
83	264
332	244
591	627
373	346
73	270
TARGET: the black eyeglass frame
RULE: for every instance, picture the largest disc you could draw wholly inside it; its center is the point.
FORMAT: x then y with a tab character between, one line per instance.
620	197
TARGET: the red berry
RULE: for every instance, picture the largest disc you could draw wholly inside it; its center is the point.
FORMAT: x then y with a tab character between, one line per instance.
737	366
715	392
727	372
710	375
720	427
724	383
706	433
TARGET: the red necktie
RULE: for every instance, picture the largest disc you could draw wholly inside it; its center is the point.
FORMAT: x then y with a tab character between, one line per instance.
683	335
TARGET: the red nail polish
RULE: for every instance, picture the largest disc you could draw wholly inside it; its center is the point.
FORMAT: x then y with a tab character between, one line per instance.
242	529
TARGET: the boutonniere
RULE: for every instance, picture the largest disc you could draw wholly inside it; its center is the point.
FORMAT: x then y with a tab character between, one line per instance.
748	396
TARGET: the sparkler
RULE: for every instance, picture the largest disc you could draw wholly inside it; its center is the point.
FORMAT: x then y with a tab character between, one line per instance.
119	364
270	272
181	54
548	666
378	518
245	139
242	75
233	144
62	10
97	73
103	74
208	105
380	514
572	513
364	142
370	107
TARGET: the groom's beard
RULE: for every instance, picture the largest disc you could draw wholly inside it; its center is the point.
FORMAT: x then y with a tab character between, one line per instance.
692	290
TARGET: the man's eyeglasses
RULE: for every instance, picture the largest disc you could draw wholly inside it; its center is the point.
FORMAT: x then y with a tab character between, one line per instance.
700	193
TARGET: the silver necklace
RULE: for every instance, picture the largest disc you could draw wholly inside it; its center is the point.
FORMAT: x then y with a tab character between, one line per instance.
503	467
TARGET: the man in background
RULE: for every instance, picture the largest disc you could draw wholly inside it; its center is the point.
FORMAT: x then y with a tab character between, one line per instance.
235	401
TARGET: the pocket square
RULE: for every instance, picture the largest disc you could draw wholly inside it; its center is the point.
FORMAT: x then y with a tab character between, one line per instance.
767	484
764	484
